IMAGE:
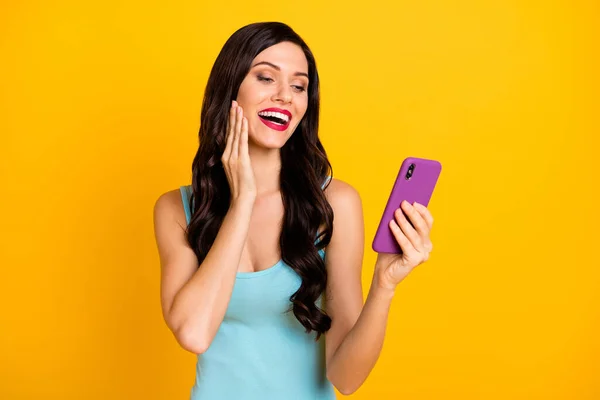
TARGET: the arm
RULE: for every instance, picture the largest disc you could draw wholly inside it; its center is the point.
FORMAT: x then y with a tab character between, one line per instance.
355	340
194	298
359	350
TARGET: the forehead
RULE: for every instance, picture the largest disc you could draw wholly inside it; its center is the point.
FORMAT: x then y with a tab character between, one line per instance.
286	55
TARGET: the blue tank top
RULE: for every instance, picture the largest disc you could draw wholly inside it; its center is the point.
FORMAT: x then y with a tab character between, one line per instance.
260	350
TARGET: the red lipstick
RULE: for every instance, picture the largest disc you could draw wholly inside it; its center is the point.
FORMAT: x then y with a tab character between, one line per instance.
274	125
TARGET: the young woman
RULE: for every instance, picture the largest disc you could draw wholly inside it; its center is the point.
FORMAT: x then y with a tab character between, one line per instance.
261	255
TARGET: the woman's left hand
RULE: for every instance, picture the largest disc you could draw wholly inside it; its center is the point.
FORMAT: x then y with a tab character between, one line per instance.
391	269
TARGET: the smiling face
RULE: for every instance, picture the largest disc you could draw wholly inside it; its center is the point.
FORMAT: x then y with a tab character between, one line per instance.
274	94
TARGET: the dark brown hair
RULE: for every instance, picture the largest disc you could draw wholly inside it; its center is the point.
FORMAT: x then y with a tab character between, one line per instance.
304	168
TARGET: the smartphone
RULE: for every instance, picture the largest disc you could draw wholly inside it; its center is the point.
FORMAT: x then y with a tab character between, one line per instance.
415	182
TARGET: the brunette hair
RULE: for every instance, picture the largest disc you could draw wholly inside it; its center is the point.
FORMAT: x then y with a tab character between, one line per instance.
304	168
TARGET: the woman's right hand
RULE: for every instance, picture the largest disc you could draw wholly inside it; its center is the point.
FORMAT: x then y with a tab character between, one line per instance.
236	160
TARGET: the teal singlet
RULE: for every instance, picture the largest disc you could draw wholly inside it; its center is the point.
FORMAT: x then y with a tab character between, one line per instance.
261	351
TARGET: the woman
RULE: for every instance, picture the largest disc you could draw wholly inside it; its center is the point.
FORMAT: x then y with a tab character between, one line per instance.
257	278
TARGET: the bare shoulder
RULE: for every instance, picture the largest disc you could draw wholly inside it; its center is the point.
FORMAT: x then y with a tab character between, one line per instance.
343	261
343	197
169	207
178	261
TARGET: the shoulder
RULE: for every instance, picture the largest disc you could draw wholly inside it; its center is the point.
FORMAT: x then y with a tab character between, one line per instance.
343	197
169	206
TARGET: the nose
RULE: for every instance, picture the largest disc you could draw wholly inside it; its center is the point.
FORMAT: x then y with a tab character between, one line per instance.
283	94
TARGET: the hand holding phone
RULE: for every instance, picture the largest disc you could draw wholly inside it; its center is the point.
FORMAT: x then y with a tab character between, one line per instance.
416	181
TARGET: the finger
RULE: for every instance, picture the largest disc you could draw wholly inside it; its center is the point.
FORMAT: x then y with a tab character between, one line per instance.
424	213
230	127
402	240
236	134
244	139
408	230
427	222
415	219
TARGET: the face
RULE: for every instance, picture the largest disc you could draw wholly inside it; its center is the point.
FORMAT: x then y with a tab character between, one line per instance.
274	94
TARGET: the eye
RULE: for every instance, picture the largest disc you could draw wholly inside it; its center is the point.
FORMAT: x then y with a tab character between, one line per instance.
264	79
299	88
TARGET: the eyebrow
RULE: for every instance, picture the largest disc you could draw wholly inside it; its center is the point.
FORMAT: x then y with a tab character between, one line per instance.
277	68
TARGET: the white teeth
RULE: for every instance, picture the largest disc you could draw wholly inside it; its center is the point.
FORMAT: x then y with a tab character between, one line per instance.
274	114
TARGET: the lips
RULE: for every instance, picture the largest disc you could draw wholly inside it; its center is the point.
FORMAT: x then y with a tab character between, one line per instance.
273	120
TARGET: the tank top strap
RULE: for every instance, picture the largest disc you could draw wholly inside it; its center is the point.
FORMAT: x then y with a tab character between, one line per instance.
327	179
322	251
186	194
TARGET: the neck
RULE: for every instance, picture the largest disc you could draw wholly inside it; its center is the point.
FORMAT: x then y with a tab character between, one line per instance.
266	165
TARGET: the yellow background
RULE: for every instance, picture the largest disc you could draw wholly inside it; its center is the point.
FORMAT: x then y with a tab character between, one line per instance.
100	107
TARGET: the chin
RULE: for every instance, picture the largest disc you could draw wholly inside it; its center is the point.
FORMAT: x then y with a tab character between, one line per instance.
270	144
269	139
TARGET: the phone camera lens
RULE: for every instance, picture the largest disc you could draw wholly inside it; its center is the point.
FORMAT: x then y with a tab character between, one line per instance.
410	171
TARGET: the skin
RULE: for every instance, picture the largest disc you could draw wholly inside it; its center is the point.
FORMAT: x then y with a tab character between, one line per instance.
194	300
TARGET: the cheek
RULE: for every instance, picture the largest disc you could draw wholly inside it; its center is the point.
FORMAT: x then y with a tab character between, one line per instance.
300	114
245	95
302	105
252	93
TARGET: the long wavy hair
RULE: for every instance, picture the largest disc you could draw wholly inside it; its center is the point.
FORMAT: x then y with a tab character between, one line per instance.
304	168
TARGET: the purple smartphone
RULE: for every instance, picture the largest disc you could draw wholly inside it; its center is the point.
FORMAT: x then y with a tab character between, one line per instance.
415	182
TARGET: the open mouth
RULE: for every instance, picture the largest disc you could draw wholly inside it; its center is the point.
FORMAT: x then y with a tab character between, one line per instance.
275	120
